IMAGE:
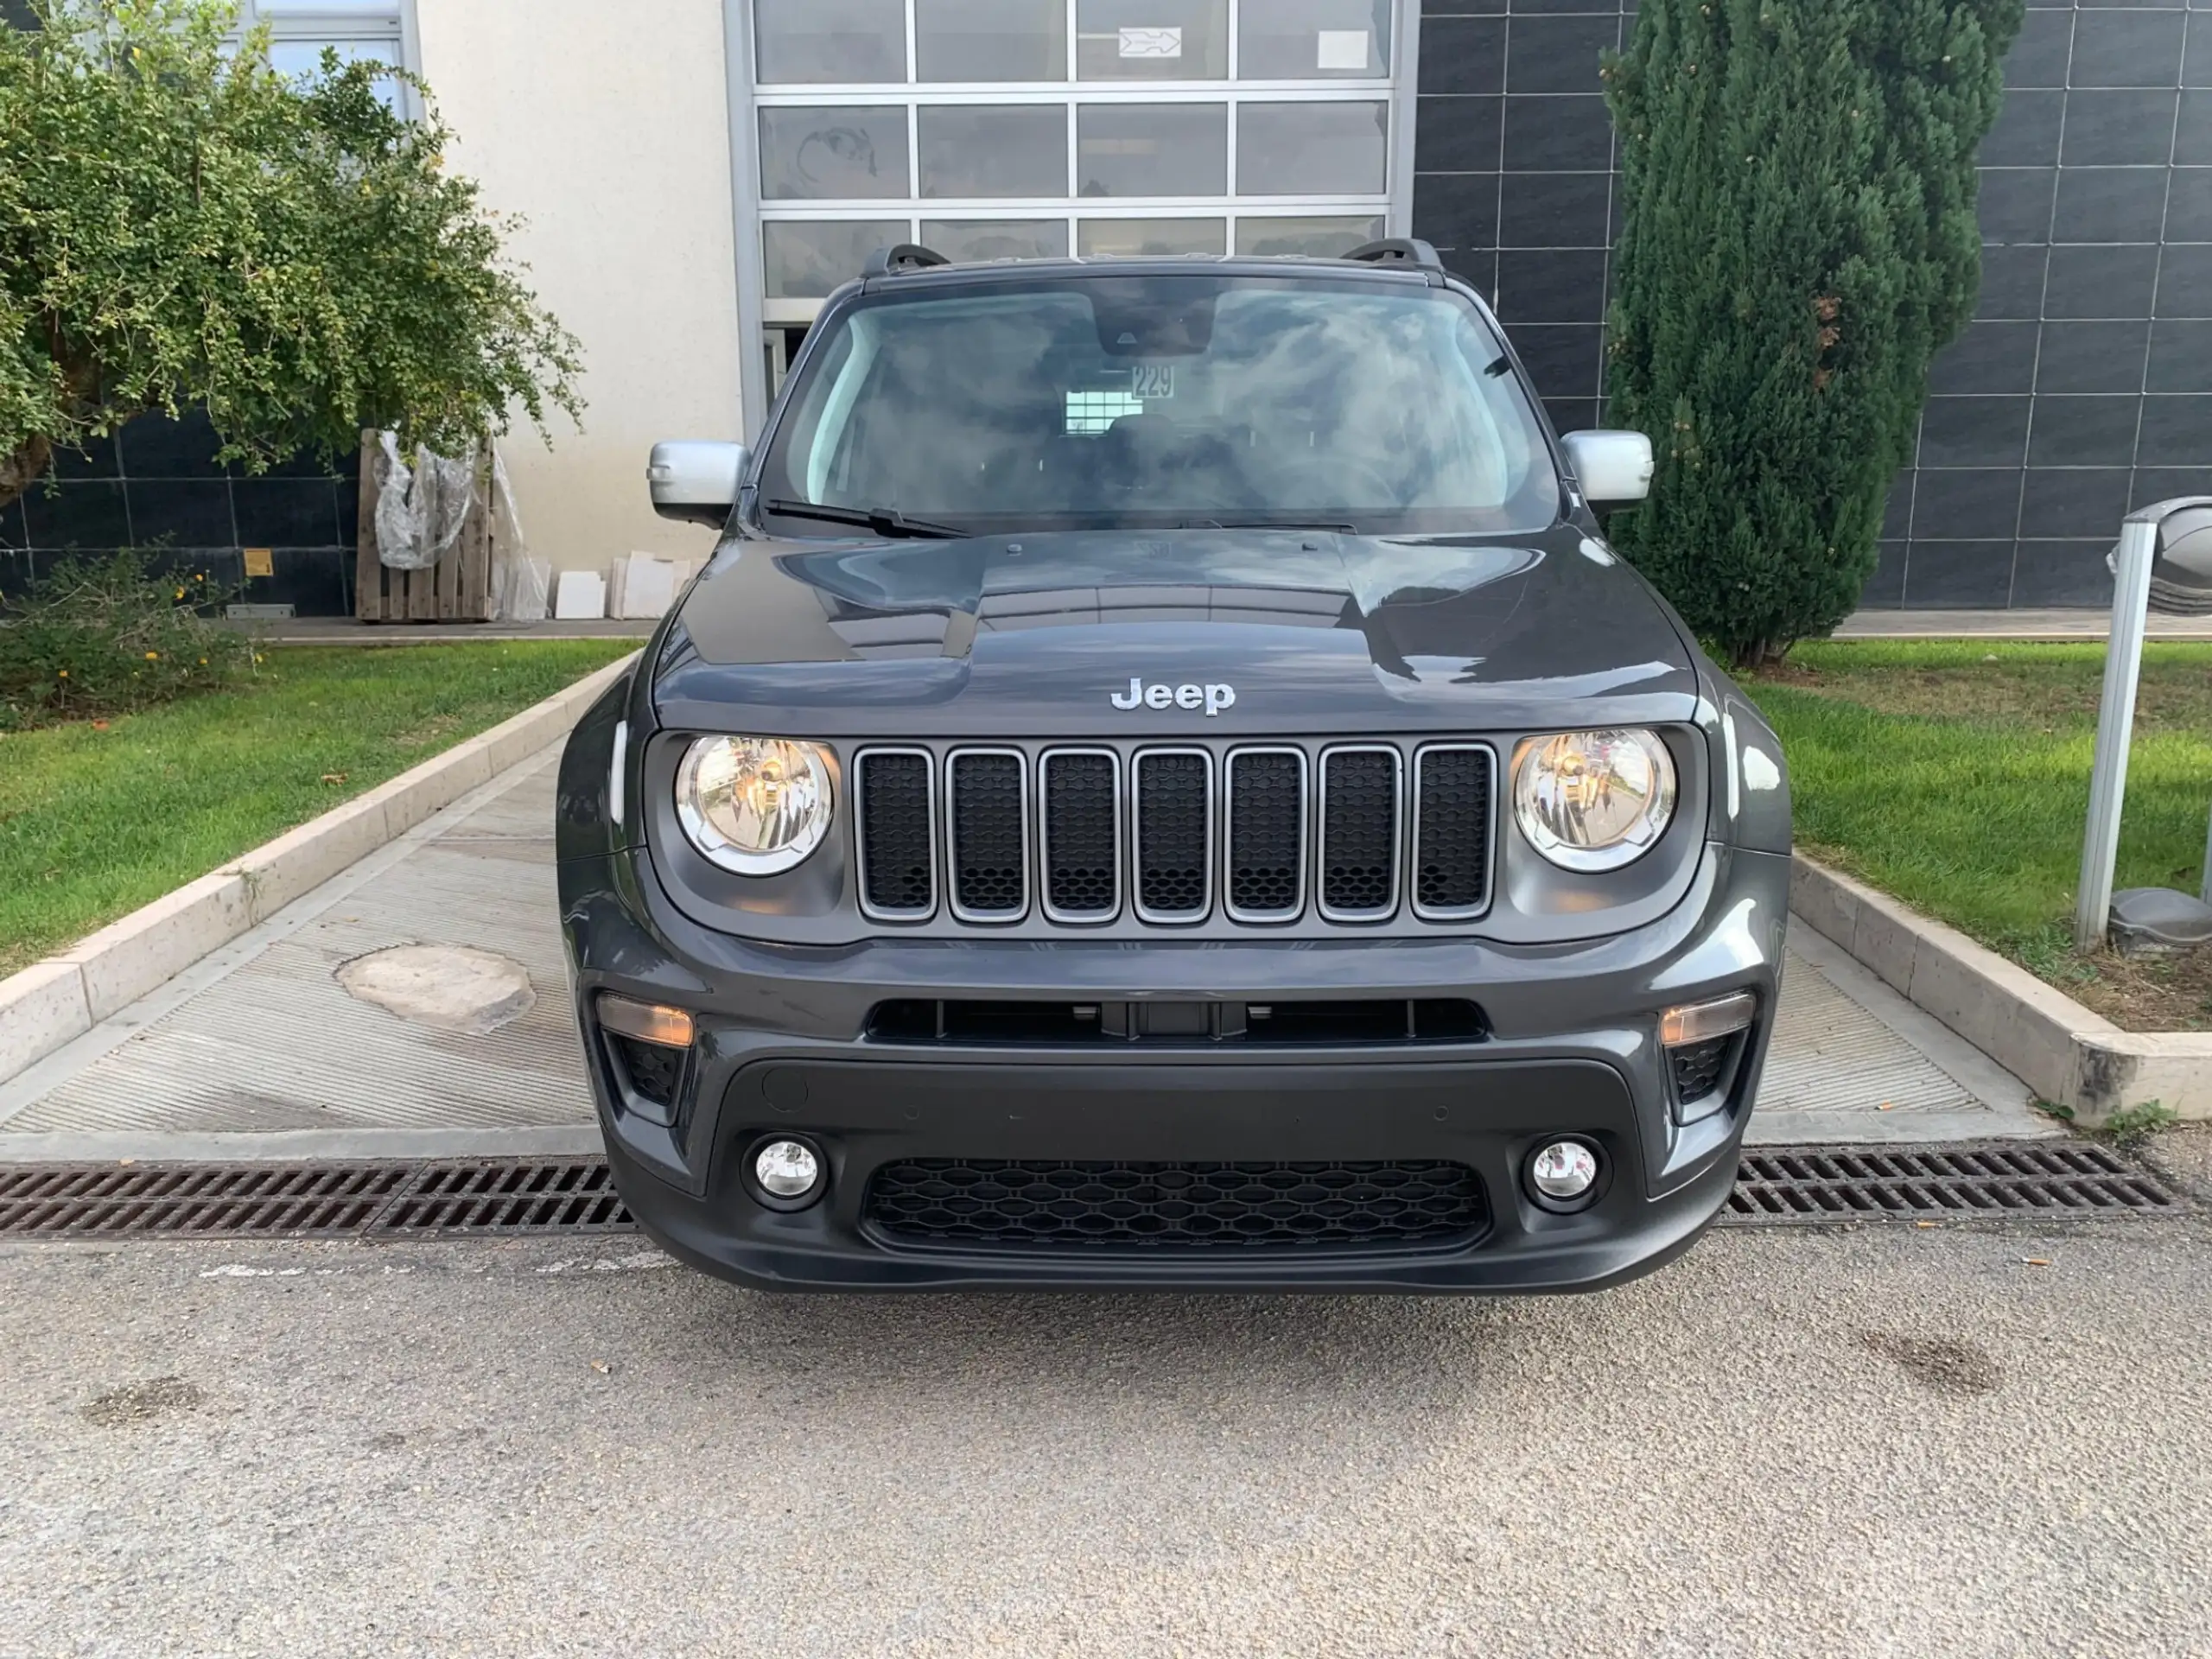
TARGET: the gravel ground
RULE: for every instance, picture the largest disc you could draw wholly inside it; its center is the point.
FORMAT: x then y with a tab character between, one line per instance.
1894	1441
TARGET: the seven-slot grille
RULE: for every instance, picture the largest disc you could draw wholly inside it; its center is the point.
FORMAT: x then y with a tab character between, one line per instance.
1261	832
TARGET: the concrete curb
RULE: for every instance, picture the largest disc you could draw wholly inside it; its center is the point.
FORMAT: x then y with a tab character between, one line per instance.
55	1002
2068	1054
188	1146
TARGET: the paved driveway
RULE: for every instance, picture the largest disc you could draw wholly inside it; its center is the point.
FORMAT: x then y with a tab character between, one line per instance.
1903	1440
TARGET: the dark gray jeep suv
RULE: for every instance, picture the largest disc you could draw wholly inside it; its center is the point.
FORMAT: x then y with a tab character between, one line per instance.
1163	783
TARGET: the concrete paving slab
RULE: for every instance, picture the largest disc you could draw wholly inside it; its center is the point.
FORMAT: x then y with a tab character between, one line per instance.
259	1052
1883	1441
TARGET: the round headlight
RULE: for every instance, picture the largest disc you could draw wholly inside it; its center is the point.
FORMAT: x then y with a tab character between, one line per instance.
1594	800
757	805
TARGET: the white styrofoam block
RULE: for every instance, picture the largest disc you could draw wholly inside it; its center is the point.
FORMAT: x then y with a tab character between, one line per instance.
582	596
650	588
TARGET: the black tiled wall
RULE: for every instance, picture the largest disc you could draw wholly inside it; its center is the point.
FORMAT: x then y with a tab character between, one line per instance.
2082	388
152	485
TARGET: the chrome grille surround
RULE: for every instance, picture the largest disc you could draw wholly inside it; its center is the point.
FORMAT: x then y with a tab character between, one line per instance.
1337	828
861	794
1301	840
1381	855
1049	865
959	876
1150	758
1423	827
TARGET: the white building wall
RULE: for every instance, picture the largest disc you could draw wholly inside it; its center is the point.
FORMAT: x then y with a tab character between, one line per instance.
606	128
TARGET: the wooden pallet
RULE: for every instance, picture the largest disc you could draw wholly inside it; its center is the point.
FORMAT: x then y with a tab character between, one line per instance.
457	588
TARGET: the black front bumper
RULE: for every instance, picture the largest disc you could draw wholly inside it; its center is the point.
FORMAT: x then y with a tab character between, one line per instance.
1572	1050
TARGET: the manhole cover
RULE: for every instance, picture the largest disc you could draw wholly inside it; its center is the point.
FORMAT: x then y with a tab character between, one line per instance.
451	986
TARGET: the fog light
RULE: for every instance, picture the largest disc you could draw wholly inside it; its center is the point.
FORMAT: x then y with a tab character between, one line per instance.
787	1169
1565	1170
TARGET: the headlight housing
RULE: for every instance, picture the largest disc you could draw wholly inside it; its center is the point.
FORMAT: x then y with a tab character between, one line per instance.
757	805
1594	800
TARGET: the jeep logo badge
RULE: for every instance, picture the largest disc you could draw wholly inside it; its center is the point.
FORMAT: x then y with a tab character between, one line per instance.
1212	698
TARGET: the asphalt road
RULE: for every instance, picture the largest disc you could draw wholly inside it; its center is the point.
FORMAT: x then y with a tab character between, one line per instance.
1888	1441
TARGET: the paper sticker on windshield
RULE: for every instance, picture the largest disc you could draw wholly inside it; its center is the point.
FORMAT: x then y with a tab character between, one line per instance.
1150	380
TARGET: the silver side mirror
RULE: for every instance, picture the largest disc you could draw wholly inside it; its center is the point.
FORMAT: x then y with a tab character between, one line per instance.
1612	468
696	478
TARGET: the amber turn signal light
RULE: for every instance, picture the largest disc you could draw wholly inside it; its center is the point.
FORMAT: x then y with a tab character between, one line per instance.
649	1022
1699	1022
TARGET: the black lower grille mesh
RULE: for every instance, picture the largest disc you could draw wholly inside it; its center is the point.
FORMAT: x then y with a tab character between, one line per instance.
1359	830
987	873
1079	840
1172	833
1453	818
1698	1067
655	1069
1266	831
895	830
1041	1205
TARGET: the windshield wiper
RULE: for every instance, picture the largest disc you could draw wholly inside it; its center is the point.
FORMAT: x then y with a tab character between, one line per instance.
884	521
1263	524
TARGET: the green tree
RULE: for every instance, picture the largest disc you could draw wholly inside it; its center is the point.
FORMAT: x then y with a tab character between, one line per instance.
182	225
1799	239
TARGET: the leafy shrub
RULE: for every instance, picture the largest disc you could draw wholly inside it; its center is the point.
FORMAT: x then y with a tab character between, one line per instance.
1799	239
104	637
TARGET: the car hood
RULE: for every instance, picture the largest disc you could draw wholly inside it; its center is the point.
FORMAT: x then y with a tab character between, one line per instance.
1035	634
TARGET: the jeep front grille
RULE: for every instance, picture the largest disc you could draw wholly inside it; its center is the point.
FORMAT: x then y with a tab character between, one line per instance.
1266	835
989	820
1260	834
1083	834
1359	833
898	834
1451	815
1174	833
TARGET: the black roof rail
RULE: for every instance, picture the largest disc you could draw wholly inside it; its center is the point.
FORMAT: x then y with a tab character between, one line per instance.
1397	250
905	255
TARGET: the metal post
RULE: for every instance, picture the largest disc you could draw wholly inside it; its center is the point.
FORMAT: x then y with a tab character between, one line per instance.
2205	893
2130	605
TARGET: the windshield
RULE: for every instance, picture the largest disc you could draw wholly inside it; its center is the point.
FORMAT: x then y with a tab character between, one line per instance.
1145	400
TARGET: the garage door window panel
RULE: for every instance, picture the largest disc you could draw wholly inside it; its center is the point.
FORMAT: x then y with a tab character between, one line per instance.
978	150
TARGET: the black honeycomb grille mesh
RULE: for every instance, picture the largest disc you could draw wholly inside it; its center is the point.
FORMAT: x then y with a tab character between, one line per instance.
1266	831
1698	1067
1044	1205
895	830
1079	850
987	873
1454	816
1172	833
1359	830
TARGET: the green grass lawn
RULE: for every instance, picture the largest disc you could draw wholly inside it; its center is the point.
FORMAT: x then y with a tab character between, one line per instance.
1955	775
95	822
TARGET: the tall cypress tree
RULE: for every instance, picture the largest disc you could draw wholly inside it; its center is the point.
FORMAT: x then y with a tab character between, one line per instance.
1799	239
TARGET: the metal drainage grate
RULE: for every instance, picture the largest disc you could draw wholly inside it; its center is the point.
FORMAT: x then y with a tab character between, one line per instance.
1833	1183
333	1200
464	1197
